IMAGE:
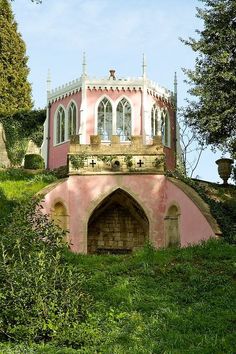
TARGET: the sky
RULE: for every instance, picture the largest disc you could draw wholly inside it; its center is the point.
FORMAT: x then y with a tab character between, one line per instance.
114	34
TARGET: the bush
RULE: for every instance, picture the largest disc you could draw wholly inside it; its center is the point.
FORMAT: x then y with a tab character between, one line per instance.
61	172
40	296
33	162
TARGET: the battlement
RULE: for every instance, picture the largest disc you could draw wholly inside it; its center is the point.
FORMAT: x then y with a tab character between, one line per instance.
116	157
104	84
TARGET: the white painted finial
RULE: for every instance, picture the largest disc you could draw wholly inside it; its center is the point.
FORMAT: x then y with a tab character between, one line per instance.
84	65
144	67
49	81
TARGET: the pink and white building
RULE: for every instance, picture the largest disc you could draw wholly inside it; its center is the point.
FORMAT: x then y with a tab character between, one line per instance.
118	136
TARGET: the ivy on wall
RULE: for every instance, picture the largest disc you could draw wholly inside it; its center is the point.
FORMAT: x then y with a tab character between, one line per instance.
19	129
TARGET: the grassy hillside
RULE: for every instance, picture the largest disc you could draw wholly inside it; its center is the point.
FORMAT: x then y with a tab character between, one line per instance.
166	301
154	301
18	185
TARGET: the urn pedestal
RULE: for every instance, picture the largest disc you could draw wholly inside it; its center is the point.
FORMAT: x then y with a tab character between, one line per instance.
224	168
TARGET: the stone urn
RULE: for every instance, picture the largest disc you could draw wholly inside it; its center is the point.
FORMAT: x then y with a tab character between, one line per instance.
224	168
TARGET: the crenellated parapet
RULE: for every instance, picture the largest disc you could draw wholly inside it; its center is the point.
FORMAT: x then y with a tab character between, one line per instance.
105	84
116	157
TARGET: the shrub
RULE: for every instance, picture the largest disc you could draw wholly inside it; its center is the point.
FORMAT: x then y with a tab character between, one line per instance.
40	296
33	162
60	172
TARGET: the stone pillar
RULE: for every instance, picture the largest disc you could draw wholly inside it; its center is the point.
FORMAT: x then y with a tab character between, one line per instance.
137	140
4	161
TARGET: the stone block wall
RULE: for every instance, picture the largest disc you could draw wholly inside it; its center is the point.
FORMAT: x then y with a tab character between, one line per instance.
115	229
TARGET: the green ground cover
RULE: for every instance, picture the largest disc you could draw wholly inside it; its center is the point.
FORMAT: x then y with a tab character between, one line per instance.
166	301
154	301
18	185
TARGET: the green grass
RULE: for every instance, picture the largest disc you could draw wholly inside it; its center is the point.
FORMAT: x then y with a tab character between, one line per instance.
166	301
179	301
18	185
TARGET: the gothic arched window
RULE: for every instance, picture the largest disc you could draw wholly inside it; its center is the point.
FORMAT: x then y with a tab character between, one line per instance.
60	126
72	116
123	119
105	119
165	122
154	121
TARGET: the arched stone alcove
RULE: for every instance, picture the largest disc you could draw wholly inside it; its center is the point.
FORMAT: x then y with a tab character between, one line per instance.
60	217
172	235
117	225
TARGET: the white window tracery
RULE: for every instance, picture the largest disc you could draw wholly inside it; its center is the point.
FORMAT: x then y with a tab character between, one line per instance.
104	122
123	120
72	117
154	121
165	122
60	126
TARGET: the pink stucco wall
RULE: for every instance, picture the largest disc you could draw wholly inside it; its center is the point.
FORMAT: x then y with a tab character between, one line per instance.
134	97
58	153
154	193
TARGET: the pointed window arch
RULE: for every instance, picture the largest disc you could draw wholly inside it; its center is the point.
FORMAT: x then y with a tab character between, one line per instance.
60	125
105	119
123	120
154	121
165	128
172	235
72	117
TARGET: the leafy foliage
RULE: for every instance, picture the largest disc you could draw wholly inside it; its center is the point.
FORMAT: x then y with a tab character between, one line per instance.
16	144
20	124
17	186
19	128
34	161
213	82
39	296
77	161
224	211
15	90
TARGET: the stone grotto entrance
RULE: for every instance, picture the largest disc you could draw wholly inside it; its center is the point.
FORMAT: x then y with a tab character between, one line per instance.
118	225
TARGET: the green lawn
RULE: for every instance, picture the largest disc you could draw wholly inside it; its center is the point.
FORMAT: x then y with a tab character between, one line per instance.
18	185
154	301
166	301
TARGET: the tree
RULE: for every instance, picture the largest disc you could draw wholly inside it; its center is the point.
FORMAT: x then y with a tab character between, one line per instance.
15	90
191	149
212	114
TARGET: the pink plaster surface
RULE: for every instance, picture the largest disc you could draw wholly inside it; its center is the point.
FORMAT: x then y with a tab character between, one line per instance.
58	153
94	95
193	225
81	195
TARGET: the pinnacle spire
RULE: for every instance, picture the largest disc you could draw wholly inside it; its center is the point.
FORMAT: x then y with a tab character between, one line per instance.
84	65
49	81
144	66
